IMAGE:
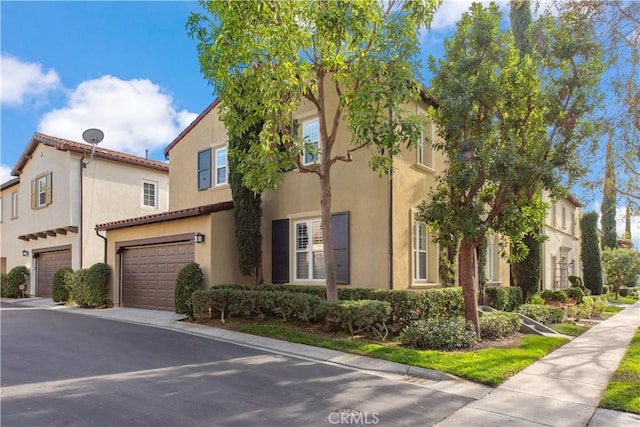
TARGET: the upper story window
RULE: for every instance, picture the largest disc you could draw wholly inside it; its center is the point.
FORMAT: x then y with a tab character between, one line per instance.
309	261
41	196
204	169
564	217
492	271
14	205
424	151
221	166
150	194
311	137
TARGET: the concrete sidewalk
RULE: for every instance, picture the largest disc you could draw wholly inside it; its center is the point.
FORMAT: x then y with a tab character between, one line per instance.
563	388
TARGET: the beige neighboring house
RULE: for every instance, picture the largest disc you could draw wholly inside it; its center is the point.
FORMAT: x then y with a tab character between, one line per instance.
561	250
49	211
378	242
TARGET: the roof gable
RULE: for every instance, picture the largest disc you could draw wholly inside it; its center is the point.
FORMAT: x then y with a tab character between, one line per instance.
81	148
191	126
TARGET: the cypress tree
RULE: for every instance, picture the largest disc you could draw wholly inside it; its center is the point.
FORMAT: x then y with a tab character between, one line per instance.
590	253
627	223
608	208
520	18
247	212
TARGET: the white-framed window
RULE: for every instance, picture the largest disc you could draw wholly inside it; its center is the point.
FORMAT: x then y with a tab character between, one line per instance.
14	204
424	150
42	191
492	267
311	137
309	250
564	217
420	238
221	166
149	194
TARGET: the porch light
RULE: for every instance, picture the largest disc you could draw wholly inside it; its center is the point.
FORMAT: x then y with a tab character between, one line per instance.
25	252
198	238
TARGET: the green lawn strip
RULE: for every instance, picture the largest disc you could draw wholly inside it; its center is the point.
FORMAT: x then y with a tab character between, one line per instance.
623	391
623	300
490	366
612	309
570	329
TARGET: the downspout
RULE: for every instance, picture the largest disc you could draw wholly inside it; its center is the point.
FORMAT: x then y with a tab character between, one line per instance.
104	258
80	233
390	225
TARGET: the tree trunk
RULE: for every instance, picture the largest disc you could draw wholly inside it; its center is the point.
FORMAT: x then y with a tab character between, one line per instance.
467	272
327	237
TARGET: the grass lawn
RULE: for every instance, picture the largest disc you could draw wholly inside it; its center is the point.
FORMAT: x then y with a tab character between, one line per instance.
624	300
491	365
623	391
612	310
570	329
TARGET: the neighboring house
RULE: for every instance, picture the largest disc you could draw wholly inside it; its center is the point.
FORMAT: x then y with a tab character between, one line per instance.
49	211
561	249
378	243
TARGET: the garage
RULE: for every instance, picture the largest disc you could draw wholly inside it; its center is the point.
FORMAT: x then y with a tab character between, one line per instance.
47	264
149	273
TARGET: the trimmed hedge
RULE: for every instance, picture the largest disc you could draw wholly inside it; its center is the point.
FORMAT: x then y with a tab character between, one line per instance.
74	286
576	293
18	275
554	295
439	334
190	278
95	286
60	288
542	313
406	305
360	316
504	298
499	324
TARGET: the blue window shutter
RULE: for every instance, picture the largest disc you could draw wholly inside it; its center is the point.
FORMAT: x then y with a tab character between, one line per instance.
204	169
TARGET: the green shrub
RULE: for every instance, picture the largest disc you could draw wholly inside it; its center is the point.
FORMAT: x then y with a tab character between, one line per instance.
576	293
75	285
504	298
439	334
190	279
3	281
536	299
499	324
17	276
360	316
547	314
593	306
553	295
606	289
61	281
623	291
95	286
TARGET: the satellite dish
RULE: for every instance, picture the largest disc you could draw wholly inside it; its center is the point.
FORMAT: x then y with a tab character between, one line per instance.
93	136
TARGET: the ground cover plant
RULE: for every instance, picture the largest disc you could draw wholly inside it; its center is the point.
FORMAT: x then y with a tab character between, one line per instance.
623	391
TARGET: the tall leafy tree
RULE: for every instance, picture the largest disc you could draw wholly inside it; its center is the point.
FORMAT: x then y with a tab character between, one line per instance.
590	253
511	126
528	272
627	223
354	60
622	267
609	202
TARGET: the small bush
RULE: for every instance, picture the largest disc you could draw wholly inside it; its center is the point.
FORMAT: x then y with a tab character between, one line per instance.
95	286
75	285
17	276
576	293
439	334
499	324
190	279
360	316
61	280
547	314
504	298
606	289
553	295
536	299
593	306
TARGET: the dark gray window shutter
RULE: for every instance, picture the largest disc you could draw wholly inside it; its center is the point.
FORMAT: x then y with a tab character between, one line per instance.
204	169
280	251
340	225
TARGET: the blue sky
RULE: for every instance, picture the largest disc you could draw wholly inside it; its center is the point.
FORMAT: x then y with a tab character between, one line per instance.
125	67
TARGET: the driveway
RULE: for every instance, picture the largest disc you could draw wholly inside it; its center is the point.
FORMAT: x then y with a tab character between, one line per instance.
60	368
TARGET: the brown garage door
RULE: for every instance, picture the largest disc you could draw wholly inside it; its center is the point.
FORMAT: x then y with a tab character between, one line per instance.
149	274
46	266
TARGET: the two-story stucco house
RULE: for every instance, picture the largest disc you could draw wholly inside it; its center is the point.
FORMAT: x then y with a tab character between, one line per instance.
378	242
49	211
561	249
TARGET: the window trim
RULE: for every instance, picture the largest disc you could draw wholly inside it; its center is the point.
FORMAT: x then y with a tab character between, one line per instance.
41	193
155	193
309	250
218	167
319	142
14	204
416	251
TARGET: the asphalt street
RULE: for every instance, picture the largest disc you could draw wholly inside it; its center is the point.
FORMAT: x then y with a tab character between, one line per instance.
64	369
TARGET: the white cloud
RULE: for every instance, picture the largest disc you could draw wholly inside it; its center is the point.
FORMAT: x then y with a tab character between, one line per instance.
25	81
133	114
451	10
5	173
